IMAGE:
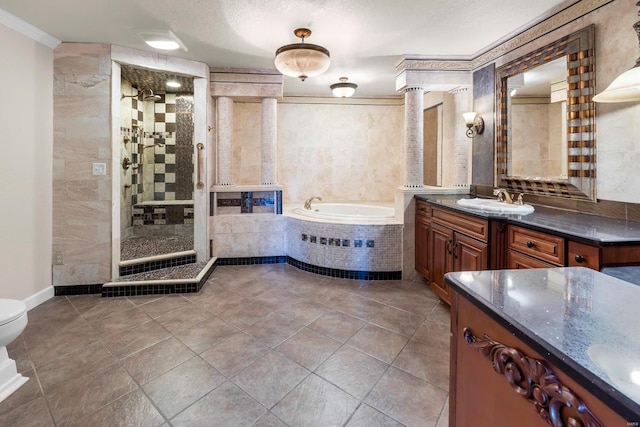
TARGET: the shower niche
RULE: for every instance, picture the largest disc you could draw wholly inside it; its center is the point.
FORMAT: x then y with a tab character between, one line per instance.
157	134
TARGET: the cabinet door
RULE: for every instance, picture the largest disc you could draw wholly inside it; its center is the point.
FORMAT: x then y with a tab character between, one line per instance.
469	254
440	248
422	246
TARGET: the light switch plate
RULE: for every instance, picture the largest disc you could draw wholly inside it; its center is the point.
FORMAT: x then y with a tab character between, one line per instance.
99	168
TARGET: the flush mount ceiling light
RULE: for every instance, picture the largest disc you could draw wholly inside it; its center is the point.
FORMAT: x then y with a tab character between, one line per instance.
161	39
475	124
173	83
302	60
343	89
625	87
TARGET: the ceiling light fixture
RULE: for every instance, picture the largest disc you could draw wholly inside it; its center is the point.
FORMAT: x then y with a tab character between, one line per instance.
302	60
343	89
625	87
475	124
161	39
173	83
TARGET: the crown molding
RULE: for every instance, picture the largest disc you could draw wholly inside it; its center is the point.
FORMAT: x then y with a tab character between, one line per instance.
28	30
564	14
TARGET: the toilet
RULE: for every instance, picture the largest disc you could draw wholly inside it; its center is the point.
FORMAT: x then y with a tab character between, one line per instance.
13	320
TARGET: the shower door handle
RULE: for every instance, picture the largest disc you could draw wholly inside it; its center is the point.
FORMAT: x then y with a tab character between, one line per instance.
200	147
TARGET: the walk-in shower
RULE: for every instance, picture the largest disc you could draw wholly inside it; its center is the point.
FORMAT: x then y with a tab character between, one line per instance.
157	213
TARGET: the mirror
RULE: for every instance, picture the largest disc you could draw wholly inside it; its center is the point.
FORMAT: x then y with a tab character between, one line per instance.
545	129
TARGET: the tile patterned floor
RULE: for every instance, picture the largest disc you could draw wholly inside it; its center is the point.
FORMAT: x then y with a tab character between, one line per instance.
265	345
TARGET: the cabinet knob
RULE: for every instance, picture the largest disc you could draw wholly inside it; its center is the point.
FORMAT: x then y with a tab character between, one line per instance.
530	244
580	259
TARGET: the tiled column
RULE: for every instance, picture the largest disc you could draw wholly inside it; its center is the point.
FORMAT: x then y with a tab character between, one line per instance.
225	140
414	138
462	143
269	140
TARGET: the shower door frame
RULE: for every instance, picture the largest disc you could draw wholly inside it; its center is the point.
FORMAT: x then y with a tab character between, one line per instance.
200	73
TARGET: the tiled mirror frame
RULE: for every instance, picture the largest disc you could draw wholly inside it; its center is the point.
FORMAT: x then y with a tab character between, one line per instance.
579	50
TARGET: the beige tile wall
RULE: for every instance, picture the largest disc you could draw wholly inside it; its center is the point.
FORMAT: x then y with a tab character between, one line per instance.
82	136
340	152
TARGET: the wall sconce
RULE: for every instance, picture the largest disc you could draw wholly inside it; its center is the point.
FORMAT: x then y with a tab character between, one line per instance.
475	124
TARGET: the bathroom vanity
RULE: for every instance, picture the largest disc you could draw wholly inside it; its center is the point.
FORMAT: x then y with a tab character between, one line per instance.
451	237
531	346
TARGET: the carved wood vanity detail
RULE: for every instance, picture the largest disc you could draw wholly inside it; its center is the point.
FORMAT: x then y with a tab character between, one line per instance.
534	381
503	382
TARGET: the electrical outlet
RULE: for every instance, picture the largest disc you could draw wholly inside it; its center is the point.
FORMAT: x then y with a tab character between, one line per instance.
58	258
99	168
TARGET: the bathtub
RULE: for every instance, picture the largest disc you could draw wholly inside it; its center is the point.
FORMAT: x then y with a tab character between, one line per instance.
347	211
359	241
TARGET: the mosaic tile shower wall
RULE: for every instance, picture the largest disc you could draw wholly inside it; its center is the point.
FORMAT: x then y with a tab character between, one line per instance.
158	139
161	147
173	148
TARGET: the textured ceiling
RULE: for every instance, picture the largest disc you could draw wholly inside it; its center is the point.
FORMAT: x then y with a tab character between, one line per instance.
365	37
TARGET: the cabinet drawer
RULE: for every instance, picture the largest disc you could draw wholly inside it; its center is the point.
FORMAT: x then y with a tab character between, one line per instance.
516	260
465	224
423	208
539	245
581	255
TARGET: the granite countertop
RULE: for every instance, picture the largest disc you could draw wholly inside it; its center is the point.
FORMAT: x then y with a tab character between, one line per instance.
590	228
583	321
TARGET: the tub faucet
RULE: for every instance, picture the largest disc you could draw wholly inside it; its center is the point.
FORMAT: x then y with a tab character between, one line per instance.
307	203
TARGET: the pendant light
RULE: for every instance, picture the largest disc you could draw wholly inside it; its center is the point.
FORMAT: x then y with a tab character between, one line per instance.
302	60
343	89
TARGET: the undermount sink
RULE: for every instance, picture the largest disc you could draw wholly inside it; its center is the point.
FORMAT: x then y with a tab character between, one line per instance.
623	371
492	205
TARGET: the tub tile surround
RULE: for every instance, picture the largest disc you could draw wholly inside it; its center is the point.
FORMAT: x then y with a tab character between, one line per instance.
227	372
376	248
334	162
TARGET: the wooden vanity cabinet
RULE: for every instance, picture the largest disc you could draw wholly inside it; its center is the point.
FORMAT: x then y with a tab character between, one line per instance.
534	249
481	397
423	225
456	242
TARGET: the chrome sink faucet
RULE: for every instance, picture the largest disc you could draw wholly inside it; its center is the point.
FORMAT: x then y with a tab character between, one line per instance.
504	196
307	203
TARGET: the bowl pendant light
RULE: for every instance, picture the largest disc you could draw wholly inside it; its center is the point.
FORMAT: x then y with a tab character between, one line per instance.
302	60
343	89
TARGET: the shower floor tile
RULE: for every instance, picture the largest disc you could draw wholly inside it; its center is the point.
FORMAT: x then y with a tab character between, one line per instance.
140	247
